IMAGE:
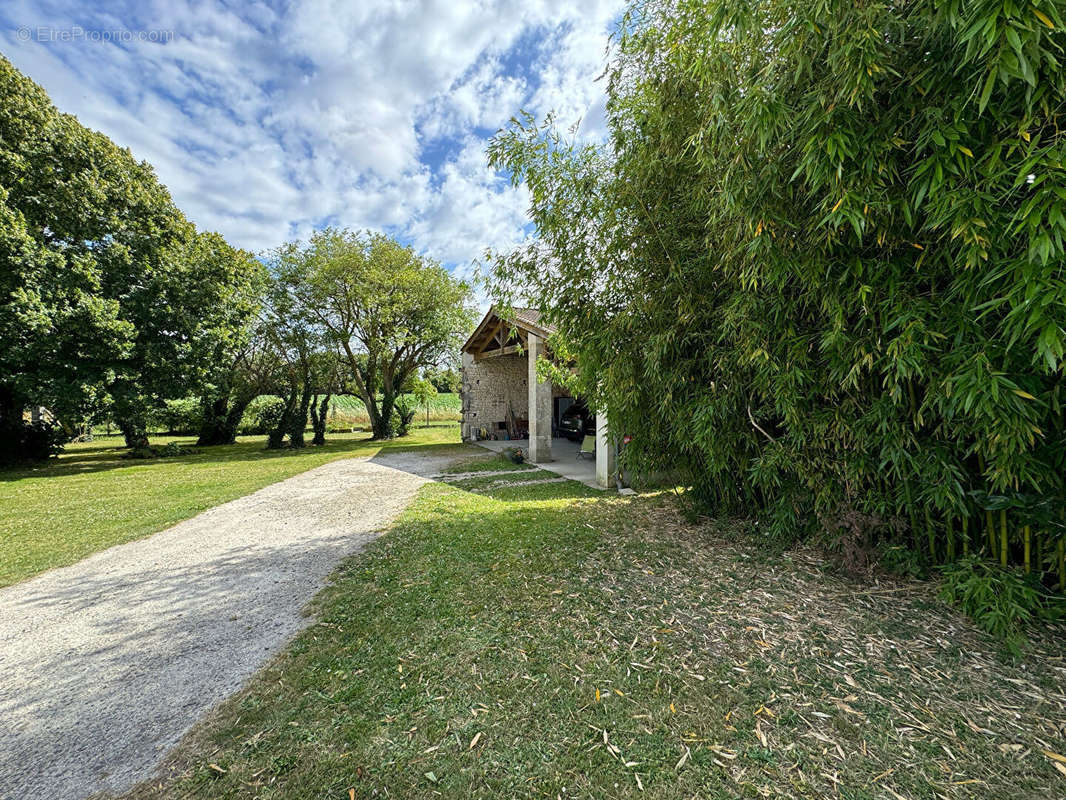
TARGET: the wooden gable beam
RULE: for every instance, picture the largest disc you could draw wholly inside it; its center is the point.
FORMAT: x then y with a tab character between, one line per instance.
510	349
489	339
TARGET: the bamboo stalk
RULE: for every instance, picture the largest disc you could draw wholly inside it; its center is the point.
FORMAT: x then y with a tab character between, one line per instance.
989	524
1028	546
965	536
1003	537
1062	567
951	538
913	517
931	533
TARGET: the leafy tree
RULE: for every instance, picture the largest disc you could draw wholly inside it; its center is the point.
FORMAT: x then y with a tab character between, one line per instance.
74	214
444	379
388	311
819	266
195	314
108	297
424	391
237	380
295	341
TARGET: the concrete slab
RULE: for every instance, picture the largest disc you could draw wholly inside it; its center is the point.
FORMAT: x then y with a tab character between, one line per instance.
565	461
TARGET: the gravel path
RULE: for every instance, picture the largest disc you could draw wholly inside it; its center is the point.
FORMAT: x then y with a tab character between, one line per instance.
106	663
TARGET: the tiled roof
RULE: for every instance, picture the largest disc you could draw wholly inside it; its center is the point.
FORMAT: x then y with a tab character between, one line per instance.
531	317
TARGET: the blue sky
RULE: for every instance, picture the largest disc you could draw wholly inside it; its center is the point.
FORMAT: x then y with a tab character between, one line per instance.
269	119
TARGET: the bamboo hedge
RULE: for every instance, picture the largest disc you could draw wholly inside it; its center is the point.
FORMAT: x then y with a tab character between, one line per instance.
819	265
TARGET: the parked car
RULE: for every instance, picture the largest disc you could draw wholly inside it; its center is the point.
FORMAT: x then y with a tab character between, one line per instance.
577	422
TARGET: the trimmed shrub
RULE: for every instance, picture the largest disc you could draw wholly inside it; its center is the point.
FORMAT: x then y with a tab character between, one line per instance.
262	415
178	417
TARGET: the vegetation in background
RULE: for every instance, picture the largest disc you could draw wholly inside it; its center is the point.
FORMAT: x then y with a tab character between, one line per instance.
387	311
113	306
445	379
348	412
819	267
91	498
552	641
237	380
424	391
109	298
343	413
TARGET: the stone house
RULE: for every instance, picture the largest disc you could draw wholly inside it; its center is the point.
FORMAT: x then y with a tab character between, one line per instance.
502	397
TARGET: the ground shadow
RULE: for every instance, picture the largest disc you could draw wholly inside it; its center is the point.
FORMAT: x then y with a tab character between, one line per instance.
109	456
123	692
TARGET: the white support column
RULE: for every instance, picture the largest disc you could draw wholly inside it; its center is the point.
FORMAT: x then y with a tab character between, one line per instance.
605	461
540	406
466	424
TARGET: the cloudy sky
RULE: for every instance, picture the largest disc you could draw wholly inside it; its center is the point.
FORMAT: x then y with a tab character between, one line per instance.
269	119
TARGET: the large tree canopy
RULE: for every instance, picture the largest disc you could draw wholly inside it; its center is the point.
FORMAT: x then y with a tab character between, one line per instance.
820	267
108	296
388	311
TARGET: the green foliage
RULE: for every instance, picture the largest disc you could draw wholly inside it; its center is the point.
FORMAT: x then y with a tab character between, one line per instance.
109	299
898	559
29	441
405	410
514	455
169	450
172	450
423	390
1001	601
819	267
386	310
261	415
446	380
178	417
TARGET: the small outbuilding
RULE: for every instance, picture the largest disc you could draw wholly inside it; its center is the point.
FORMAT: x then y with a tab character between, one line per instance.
502	399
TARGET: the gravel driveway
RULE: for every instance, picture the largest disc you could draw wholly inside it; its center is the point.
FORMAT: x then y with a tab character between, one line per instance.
105	664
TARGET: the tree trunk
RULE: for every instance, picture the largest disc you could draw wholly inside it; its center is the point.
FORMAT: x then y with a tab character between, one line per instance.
276	437
382	424
298	419
10	426
221	420
10	407
135	432
319	409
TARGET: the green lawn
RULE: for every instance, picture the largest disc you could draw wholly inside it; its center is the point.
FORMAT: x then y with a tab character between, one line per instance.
91	498
556	642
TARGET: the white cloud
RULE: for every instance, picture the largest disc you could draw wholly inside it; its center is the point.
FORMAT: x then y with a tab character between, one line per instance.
265	124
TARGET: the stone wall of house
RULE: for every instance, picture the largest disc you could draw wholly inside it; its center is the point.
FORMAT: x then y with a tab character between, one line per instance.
489	386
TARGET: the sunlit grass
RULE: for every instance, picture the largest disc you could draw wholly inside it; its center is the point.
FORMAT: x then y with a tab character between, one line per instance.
91	498
552	641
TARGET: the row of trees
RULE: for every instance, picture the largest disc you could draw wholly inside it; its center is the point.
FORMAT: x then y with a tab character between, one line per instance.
820	265
109	298
352	312
111	302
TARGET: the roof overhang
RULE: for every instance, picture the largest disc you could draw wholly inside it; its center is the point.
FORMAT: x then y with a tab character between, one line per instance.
504	332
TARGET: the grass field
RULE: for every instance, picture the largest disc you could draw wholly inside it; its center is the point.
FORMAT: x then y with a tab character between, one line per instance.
554	642
90	498
348	410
